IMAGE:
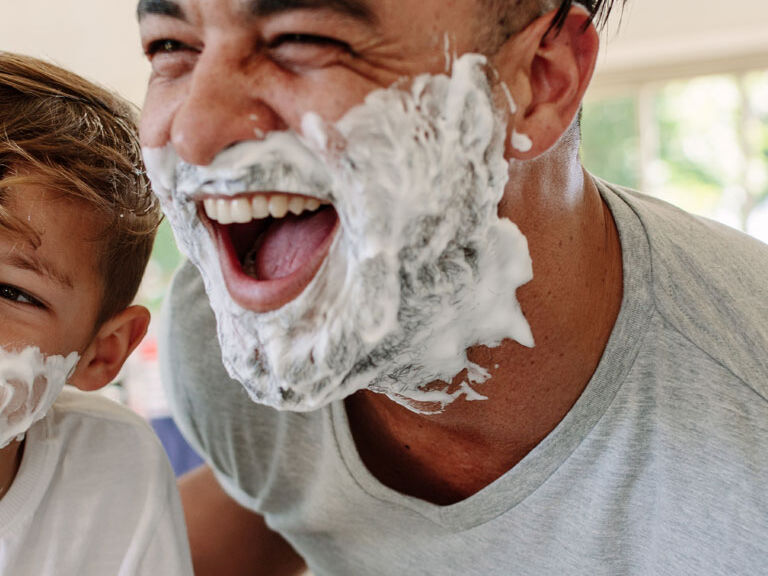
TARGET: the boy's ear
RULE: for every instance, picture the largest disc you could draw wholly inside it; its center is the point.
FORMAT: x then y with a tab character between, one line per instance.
547	73
115	340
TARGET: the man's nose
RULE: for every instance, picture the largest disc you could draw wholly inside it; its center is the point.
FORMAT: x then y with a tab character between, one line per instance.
221	107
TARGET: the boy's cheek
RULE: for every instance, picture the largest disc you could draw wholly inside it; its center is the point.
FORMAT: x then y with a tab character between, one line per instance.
30	382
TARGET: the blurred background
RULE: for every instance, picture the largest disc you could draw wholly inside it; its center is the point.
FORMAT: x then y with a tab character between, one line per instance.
678	109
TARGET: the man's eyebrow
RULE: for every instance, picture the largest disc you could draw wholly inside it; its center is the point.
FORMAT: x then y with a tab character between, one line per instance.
33	263
159	8
356	9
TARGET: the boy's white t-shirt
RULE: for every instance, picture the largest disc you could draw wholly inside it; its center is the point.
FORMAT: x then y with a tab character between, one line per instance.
95	495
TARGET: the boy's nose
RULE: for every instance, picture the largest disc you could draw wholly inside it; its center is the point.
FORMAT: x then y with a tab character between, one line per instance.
221	108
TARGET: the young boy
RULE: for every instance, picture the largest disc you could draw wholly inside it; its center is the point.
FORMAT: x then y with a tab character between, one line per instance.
85	488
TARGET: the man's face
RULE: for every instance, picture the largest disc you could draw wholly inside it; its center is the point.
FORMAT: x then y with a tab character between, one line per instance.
224	71
338	241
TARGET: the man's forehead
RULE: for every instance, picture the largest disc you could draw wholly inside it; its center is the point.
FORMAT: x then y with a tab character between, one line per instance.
357	9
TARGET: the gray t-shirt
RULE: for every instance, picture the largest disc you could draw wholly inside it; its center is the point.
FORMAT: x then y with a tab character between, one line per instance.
661	466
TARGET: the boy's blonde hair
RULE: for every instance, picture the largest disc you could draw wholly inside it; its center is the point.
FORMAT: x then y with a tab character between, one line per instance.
63	132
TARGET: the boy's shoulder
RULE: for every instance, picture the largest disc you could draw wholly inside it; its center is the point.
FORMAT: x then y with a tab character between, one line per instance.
96	407
74	402
90	424
92	453
93	469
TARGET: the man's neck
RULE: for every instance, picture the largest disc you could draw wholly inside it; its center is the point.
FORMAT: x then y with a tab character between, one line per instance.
571	305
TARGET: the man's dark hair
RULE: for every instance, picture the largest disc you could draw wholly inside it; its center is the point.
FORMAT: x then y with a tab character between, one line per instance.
599	10
513	15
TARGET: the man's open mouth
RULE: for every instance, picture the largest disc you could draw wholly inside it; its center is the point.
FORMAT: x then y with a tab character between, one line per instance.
270	245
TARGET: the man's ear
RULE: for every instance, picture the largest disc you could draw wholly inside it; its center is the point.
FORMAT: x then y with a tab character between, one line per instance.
547	73
113	343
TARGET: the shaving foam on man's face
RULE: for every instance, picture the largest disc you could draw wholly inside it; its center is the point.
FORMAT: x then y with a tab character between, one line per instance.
29	384
404	267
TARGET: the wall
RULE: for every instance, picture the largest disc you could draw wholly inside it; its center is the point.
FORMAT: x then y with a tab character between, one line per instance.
663	39
98	39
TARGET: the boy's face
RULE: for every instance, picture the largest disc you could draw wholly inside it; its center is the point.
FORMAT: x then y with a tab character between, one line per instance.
49	294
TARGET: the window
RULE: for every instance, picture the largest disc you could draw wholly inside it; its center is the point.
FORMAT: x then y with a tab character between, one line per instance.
700	143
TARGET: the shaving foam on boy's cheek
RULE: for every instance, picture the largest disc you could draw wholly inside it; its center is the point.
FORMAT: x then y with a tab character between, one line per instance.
29	384
421	270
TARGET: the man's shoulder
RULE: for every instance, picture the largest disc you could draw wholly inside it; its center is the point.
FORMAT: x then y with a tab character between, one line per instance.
186	305
710	282
668	225
241	440
191	367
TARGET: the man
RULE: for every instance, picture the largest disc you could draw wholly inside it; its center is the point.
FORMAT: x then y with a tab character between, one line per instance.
346	175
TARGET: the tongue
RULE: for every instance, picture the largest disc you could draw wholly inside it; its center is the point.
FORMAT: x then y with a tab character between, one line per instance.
289	243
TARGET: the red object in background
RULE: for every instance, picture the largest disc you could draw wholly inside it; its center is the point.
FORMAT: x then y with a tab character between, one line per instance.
148	349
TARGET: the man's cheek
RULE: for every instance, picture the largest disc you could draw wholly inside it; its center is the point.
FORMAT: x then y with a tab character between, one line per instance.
157	114
150	129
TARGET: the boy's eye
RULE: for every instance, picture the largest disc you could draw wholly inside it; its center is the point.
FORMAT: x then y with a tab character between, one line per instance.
307	50
15	295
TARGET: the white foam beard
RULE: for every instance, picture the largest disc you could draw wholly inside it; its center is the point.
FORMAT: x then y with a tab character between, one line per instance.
29	384
421	269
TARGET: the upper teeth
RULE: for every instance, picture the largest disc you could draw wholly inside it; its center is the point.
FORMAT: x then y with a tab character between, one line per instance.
243	209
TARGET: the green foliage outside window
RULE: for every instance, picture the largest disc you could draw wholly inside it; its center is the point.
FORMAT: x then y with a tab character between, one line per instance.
611	144
703	145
